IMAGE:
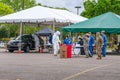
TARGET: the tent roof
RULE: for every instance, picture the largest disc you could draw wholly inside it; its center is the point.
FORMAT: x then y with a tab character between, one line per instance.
41	14
45	32
109	22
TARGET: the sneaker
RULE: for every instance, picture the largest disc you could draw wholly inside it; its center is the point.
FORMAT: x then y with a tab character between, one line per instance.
98	58
90	55
86	57
55	54
103	56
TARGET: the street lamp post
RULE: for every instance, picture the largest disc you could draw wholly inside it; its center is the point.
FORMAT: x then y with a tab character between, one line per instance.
77	7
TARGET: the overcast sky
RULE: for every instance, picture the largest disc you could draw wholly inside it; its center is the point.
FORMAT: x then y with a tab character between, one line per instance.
69	4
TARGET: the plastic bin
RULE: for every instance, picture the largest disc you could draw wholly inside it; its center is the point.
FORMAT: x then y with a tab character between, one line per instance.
69	51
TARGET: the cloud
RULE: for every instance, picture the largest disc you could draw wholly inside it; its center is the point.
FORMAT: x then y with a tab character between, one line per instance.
69	4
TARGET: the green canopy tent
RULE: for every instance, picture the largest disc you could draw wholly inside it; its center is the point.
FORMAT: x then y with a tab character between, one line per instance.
109	22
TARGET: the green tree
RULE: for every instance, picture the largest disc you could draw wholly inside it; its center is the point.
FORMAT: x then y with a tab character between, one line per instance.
3	32
17	5
94	8
5	9
39	4
10	6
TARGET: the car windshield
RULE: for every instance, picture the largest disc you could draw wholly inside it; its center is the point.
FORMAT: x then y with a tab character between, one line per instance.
24	37
17	38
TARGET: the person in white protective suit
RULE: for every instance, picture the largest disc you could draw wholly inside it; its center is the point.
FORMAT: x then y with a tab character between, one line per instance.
56	42
37	43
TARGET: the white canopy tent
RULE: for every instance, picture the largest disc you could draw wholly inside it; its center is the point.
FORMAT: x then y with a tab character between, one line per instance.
42	15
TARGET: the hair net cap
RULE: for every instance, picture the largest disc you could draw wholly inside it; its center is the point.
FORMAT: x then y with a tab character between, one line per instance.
58	32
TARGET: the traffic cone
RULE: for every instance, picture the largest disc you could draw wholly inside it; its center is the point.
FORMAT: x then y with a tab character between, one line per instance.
19	51
40	50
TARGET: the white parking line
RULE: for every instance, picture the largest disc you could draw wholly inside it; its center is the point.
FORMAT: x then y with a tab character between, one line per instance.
83	72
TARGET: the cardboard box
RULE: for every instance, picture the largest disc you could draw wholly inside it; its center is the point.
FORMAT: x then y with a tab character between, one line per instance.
63	51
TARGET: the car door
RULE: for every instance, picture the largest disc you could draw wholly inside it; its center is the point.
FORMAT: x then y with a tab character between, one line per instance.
32	41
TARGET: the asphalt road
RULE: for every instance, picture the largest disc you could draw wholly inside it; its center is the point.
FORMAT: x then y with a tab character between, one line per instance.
36	66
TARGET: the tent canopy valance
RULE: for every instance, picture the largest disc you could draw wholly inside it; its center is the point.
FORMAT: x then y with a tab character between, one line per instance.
109	22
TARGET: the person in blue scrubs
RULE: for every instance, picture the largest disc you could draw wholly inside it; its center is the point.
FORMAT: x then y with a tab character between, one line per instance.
50	38
91	44
67	41
104	43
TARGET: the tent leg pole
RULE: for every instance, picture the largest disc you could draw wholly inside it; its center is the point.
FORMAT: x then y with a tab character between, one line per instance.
20	45
70	34
22	28
53	26
61	35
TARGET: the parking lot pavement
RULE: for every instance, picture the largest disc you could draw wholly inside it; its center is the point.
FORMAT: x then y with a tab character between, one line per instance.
36	66
3	49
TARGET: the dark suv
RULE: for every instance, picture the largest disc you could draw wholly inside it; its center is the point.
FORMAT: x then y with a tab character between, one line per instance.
27	43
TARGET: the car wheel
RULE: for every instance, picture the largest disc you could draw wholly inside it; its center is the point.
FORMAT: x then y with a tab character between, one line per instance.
27	49
11	50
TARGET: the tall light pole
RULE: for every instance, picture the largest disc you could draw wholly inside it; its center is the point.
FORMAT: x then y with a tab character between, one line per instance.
77	7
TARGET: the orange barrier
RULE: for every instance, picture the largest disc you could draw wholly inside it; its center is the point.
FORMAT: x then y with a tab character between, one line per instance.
40	50
19	51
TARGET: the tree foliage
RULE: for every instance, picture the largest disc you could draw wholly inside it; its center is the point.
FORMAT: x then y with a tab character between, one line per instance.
5	9
94	8
17	5
10	6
